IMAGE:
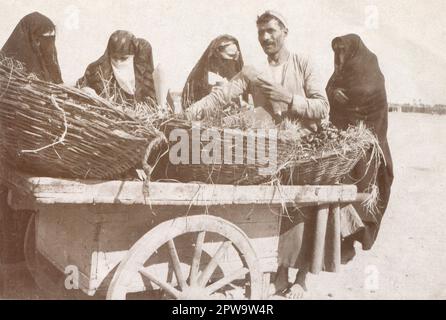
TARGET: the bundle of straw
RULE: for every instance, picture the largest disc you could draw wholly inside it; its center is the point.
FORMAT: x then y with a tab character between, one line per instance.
236	173
328	155
55	130
315	158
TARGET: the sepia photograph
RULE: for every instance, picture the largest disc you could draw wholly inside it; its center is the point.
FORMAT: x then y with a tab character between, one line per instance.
222	150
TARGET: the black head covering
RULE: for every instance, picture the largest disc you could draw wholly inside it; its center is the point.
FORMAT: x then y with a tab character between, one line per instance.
145	85
357	72
37	52
123	43
197	84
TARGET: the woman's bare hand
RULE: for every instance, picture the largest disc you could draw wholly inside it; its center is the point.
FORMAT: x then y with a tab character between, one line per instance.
340	96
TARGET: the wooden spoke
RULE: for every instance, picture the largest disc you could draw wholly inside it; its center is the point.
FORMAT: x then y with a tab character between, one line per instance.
176	264
198	284
168	288
226	280
213	264
195	266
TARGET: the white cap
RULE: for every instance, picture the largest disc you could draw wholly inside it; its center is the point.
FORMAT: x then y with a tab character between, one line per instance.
276	15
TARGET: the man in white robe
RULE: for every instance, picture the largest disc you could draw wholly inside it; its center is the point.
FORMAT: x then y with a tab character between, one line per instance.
286	86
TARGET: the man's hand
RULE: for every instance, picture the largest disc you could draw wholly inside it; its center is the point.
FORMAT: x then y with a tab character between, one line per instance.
340	96
275	91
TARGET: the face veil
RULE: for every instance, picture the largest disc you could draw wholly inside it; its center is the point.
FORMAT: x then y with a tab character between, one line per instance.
213	60
357	72
136	78
33	43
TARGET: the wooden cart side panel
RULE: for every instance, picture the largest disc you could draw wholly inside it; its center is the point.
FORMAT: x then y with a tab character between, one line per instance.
131	193
260	223
68	241
95	238
52	191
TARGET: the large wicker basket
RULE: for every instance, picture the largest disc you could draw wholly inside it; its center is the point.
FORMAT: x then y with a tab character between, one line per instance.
328	168
53	130
219	173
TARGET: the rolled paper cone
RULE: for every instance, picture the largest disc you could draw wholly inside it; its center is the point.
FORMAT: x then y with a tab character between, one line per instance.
159	77
178	108
250	100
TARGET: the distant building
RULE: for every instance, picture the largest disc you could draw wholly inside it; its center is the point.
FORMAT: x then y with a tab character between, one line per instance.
418	106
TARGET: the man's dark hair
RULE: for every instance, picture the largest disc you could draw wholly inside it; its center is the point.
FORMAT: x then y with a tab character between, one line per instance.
266	17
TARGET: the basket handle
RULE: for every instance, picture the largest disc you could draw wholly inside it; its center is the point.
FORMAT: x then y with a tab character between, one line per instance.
148	169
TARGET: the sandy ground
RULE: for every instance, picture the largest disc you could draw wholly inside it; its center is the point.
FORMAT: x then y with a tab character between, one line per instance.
408	259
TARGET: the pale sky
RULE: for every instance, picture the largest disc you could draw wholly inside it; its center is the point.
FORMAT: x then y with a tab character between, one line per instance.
408	36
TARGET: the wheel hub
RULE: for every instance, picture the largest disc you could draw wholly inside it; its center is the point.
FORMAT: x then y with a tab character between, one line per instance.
194	293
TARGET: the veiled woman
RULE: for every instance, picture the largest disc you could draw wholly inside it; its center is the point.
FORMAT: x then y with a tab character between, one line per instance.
33	43
356	92
221	61
124	73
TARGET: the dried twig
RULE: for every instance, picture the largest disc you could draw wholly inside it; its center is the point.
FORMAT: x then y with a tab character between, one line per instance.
62	137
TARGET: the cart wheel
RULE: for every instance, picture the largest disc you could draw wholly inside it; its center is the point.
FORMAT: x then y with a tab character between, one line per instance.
196	284
47	278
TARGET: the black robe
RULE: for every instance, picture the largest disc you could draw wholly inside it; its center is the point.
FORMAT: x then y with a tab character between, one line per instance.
28	45
37	52
360	76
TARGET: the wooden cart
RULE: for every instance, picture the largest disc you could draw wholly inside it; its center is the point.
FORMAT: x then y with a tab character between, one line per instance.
185	241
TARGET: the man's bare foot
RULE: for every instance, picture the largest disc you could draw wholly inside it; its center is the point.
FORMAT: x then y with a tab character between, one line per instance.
280	283
278	288
295	292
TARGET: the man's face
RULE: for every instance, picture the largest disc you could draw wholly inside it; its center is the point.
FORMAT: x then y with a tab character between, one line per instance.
271	36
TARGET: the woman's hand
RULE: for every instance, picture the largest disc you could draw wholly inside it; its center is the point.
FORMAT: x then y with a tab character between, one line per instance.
340	96
90	92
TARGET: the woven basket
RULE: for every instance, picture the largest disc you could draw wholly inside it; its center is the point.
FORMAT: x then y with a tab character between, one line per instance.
52	130
236	174
327	169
